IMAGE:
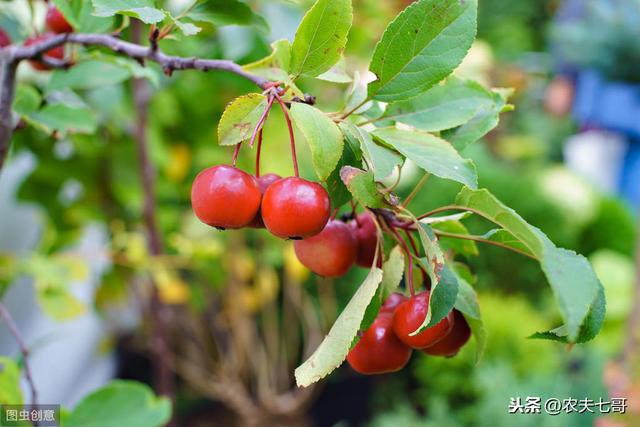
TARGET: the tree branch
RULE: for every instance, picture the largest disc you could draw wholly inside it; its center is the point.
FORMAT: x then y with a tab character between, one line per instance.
10	56
13	328
135	51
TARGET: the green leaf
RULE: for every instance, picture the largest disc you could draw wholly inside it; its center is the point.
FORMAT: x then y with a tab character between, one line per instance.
431	153
357	95
458	246
467	304
322	134
65	7
381	160
338	191
143	10
441	299
240	118
88	75
337	73
227	12
27	100
392	271
482	123
321	37
10	392
335	347
187	28
120	404
422	46
442	107
362	187
506	238
276	63
434	258
63	118
571	277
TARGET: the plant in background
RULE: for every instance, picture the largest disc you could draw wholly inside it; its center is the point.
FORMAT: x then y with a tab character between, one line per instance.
612	49
413	109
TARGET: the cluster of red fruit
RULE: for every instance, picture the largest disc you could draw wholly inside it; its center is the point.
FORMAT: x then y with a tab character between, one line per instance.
387	345
226	197
56	24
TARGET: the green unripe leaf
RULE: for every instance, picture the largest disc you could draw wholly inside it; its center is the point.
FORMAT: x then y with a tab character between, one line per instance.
240	118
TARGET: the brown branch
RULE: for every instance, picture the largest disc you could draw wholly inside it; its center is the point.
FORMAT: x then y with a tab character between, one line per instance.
13	328
159	314
7	93
10	56
136	51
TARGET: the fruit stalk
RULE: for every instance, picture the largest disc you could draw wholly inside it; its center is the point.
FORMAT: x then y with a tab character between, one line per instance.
291	137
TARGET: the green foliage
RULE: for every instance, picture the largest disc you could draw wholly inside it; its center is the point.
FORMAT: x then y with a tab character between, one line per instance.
333	350
440	29
321	37
322	135
10	392
240	118
121	404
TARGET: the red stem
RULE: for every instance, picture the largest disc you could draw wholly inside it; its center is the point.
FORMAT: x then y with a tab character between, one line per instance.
236	151
258	149
425	275
291	137
409	258
261	121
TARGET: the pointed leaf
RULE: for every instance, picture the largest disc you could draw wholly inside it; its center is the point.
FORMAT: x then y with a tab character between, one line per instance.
362	187
431	153
392	272
441	299
321	37
423	45
573	281
322	134
335	347
442	107
240	118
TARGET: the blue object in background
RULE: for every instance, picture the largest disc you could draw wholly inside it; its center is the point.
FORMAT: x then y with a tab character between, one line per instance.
613	106
630	176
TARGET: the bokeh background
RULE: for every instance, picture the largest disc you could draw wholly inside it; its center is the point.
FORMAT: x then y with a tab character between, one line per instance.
75	269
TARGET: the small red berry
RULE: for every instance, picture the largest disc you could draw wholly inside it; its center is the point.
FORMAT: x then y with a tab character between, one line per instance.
367	237
295	208
5	40
264	181
56	22
55	53
225	197
452	343
331	253
409	316
379	350
393	301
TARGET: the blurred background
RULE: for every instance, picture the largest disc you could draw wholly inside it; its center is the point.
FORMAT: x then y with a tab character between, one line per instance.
75	270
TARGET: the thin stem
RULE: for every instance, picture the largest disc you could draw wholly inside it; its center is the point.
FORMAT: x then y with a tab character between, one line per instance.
415	190
236	152
291	137
13	328
483	240
258	150
261	121
412	242
354	109
158	312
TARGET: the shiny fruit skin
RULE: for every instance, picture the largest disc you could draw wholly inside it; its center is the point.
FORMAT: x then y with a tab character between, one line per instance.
56	22
5	40
367	237
393	301
55	53
225	197
331	253
294	208
408	317
264	181
379	351
450	345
